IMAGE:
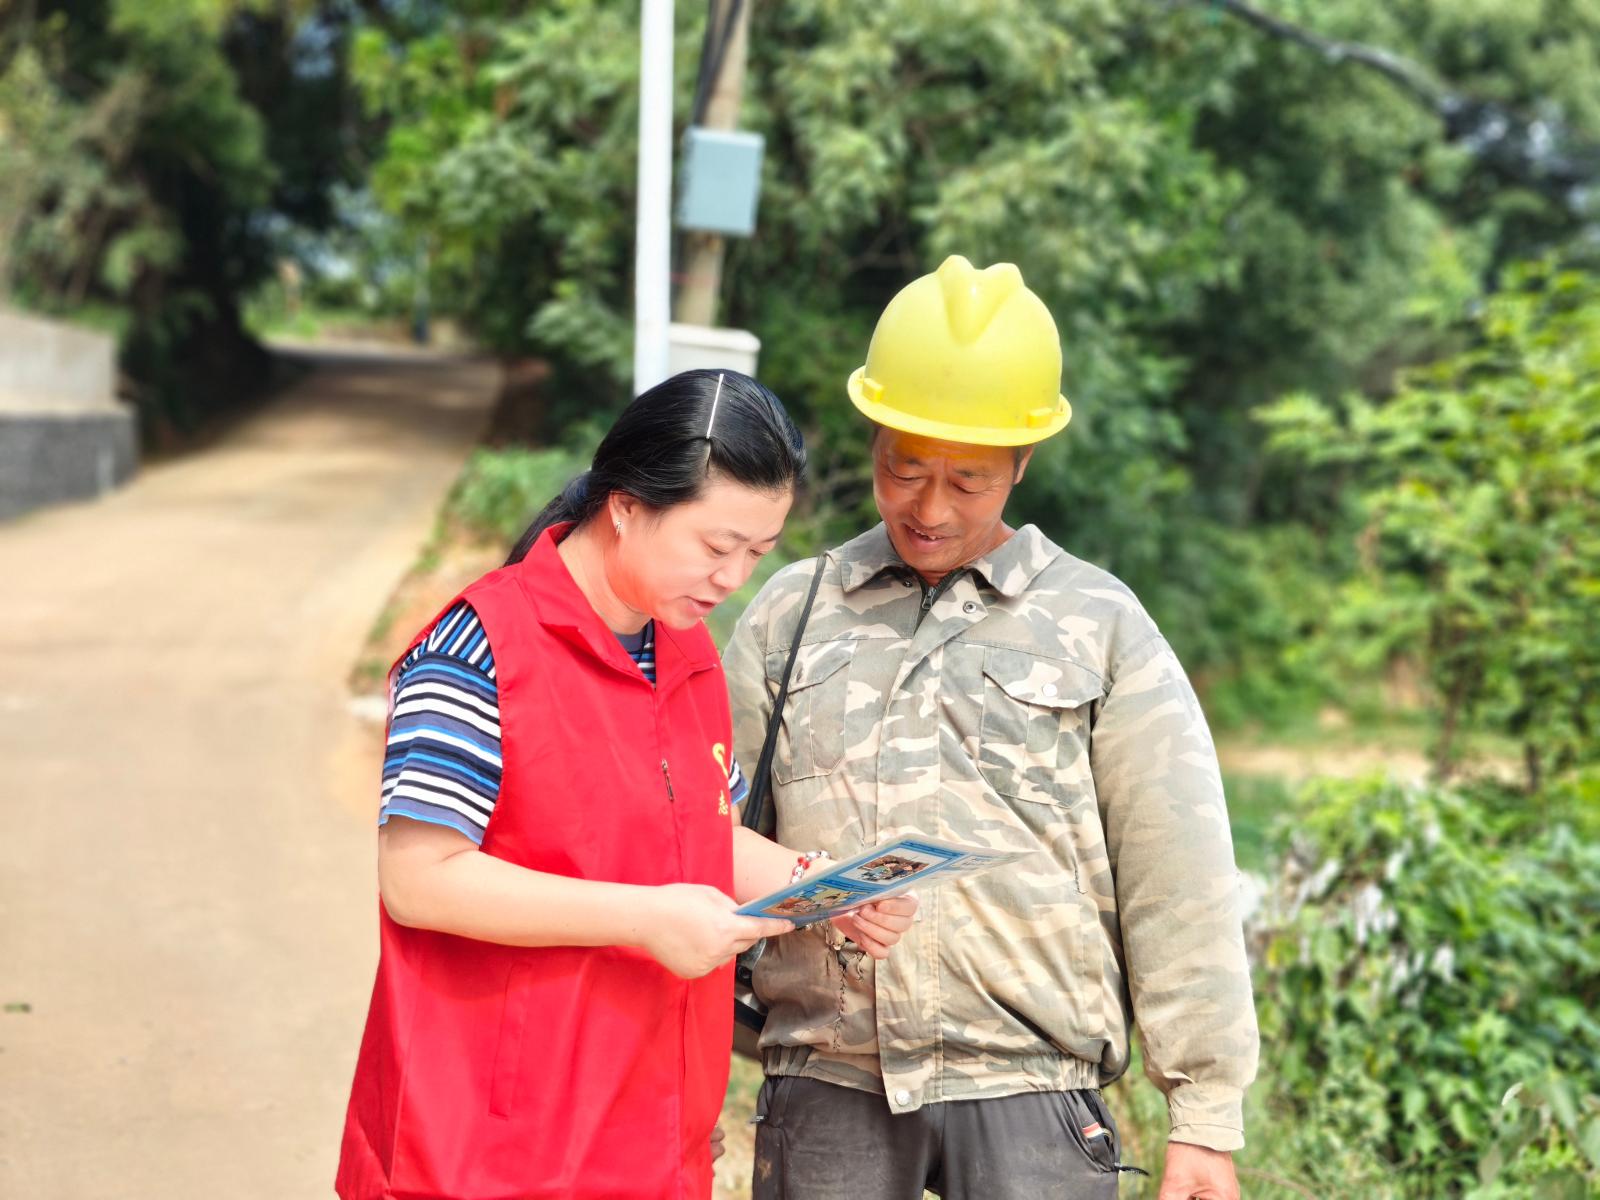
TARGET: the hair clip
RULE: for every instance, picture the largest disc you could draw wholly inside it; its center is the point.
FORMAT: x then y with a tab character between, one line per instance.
716	399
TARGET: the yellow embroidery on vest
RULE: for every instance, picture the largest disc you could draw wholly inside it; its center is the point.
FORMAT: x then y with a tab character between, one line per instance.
720	753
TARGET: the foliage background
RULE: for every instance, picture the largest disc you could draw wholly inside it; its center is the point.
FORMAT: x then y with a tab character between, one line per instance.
1330	332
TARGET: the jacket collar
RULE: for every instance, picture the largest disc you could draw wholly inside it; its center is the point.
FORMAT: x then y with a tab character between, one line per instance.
1009	568
561	606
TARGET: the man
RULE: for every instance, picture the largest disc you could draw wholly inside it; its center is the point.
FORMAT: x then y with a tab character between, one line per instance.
961	679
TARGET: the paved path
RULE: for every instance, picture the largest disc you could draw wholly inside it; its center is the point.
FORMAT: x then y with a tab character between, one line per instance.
187	898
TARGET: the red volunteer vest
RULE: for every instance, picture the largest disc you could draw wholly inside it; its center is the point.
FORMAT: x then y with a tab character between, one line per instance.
492	1072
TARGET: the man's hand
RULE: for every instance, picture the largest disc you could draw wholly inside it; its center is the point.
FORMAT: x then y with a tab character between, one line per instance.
877	927
1195	1173
718	1143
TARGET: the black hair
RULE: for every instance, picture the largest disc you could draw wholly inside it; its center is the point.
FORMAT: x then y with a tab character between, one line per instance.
658	450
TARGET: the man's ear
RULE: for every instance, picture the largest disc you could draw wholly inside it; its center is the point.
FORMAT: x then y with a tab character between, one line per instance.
1022	465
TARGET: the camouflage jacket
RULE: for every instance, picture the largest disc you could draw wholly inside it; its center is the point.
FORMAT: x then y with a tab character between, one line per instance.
1026	703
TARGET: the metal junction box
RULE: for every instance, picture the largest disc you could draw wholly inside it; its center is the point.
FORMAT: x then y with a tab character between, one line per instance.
721	181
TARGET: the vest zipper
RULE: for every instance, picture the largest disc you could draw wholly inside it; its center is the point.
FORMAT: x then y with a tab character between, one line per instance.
667	775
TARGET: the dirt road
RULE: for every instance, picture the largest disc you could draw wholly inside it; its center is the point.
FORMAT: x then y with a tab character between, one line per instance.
187	900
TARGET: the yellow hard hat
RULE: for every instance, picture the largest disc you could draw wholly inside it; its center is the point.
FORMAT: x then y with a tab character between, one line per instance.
965	356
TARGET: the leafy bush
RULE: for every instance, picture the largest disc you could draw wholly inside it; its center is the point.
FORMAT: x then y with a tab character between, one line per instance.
501	491
1243	608
1429	987
1479	486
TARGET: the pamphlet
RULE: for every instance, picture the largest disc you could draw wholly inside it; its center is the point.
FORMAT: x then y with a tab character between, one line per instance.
887	870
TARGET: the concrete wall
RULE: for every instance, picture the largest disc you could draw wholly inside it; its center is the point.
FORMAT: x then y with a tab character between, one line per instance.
46	366
51	459
63	433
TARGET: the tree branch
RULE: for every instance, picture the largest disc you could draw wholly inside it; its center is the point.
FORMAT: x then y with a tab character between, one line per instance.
1540	152
1401	71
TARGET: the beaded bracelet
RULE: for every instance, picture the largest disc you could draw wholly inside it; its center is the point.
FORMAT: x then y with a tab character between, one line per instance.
803	864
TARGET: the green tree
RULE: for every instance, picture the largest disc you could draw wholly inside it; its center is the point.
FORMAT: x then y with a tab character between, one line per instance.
149	149
1477	486
895	134
1214	215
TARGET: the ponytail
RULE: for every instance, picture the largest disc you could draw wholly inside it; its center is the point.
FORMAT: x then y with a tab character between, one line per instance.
573	503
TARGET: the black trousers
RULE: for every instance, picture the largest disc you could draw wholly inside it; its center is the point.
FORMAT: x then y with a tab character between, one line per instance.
820	1141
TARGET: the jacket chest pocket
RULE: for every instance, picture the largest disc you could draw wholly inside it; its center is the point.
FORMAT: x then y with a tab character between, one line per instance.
1034	740
812	741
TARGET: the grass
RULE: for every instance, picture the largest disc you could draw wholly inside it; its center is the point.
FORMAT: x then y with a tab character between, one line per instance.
1373	730
266	320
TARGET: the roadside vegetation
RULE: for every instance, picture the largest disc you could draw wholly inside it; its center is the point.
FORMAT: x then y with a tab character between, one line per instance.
1328	283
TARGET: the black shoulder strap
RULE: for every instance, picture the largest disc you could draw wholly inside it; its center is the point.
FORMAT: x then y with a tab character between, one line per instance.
761	781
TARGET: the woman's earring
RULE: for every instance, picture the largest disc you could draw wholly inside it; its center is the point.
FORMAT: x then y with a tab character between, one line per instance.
619	528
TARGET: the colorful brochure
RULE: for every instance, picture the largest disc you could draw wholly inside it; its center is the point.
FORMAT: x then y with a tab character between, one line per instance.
884	871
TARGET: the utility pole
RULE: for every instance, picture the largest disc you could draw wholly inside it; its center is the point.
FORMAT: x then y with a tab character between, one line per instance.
702	252
652	268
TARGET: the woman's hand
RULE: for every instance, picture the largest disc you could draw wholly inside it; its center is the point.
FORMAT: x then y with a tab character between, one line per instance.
693	929
876	927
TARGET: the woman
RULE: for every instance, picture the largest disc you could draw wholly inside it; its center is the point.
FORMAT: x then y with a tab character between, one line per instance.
559	855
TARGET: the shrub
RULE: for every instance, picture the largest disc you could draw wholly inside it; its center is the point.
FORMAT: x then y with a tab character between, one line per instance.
501	491
1479	485
1428	988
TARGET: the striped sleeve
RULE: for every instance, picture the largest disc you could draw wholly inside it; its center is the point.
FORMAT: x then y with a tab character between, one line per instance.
442	763
738	786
